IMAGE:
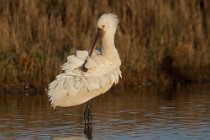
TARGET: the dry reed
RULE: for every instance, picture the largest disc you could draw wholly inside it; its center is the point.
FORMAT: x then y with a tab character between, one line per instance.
159	41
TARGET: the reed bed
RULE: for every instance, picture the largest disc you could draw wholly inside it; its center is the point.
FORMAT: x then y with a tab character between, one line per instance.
159	41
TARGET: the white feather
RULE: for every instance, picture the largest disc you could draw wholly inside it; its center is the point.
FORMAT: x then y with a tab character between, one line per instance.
82	55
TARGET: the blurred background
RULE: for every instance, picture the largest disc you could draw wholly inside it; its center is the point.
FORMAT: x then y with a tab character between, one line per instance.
159	41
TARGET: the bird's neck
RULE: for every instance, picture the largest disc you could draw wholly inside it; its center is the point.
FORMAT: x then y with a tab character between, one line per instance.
109	50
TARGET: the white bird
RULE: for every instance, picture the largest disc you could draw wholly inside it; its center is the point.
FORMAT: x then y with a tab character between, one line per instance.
88	74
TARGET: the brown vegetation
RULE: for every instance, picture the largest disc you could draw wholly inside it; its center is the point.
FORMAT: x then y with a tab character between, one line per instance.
159	41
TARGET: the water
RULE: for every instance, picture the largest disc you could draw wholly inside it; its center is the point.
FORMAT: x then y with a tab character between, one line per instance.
148	114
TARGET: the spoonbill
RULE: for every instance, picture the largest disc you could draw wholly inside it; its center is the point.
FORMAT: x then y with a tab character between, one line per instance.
88	74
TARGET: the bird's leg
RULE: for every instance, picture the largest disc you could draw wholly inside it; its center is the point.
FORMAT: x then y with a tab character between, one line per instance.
88	120
87	113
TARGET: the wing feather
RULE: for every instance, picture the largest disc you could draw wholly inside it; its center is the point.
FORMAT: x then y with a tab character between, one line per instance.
73	86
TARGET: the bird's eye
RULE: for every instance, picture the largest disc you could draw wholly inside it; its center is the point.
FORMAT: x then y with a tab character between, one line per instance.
103	26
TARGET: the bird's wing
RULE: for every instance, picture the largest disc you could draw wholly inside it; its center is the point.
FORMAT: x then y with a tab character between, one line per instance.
100	67
74	83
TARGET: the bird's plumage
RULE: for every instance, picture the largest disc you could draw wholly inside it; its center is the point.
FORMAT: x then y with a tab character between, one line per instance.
75	86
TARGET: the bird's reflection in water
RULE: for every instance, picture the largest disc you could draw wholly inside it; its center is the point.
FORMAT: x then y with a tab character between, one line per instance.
88	131
69	138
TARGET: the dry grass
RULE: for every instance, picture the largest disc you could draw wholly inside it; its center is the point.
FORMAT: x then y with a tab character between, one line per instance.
159	41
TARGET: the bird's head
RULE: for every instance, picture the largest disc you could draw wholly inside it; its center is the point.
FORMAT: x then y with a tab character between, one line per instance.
107	24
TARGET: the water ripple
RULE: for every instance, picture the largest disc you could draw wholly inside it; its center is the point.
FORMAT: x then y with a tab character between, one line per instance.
135	114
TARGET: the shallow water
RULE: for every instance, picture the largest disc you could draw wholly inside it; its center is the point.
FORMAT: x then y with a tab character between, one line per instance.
149	114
